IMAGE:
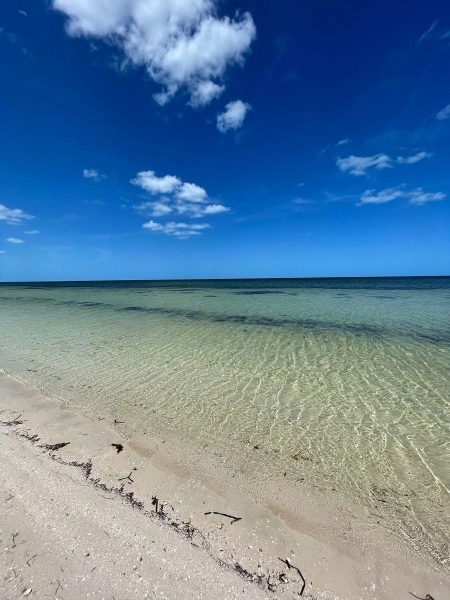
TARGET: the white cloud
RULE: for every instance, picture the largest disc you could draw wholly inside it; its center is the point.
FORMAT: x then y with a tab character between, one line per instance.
410	160
233	117
215	209
358	165
179	230
155	209
387	195
13	216
302	201
342	142
181	43
93	174
444	114
428	31
33	232
23	13
192	193
194	211
15	241
205	92
186	199
417	196
148	181
2	251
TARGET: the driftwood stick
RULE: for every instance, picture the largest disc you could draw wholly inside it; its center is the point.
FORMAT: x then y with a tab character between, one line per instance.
30	559
287	562
233	518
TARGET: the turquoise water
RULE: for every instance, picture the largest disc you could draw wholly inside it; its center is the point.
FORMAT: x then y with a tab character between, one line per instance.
339	383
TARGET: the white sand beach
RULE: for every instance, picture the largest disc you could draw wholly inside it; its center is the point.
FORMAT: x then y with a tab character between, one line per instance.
83	520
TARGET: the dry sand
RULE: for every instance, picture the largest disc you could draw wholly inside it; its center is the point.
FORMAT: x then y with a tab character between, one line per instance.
81	521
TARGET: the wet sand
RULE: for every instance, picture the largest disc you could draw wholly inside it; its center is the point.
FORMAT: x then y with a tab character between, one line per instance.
90	514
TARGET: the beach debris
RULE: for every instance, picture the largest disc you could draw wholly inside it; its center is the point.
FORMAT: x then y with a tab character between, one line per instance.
27	592
54	447
30	559
233	518
116	422
289	565
14	535
127	477
427	597
15	421
118	447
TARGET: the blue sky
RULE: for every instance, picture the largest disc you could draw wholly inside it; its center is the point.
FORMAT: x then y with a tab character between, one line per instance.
195	138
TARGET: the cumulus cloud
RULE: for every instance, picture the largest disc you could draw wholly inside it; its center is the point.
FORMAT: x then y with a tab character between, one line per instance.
192	193
410	160
176	197
13	216
181	43
233	116
149	182
417	196
358	165
179	230
444	114
93	174
15	241
205	92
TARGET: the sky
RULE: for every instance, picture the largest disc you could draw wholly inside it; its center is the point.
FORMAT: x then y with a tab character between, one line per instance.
166	139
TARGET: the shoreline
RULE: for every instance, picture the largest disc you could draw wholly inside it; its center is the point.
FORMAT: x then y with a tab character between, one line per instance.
344	561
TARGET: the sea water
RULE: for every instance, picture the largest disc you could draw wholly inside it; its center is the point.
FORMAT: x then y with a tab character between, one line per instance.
346	381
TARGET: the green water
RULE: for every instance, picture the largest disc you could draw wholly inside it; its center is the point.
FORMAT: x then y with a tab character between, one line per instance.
341	383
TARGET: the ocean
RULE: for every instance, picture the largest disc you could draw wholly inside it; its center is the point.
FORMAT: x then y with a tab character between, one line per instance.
338	384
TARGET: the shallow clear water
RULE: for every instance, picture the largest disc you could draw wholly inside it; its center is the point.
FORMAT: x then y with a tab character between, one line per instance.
340	383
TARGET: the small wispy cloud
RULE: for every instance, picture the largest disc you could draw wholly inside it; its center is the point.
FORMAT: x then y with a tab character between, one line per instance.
427	32
23	13
13	216
2	251
417	196
93	174
410	160
302	201
180	230
13	240
444	114
358	165
33	232
233	116
155	209
330	146
14	39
